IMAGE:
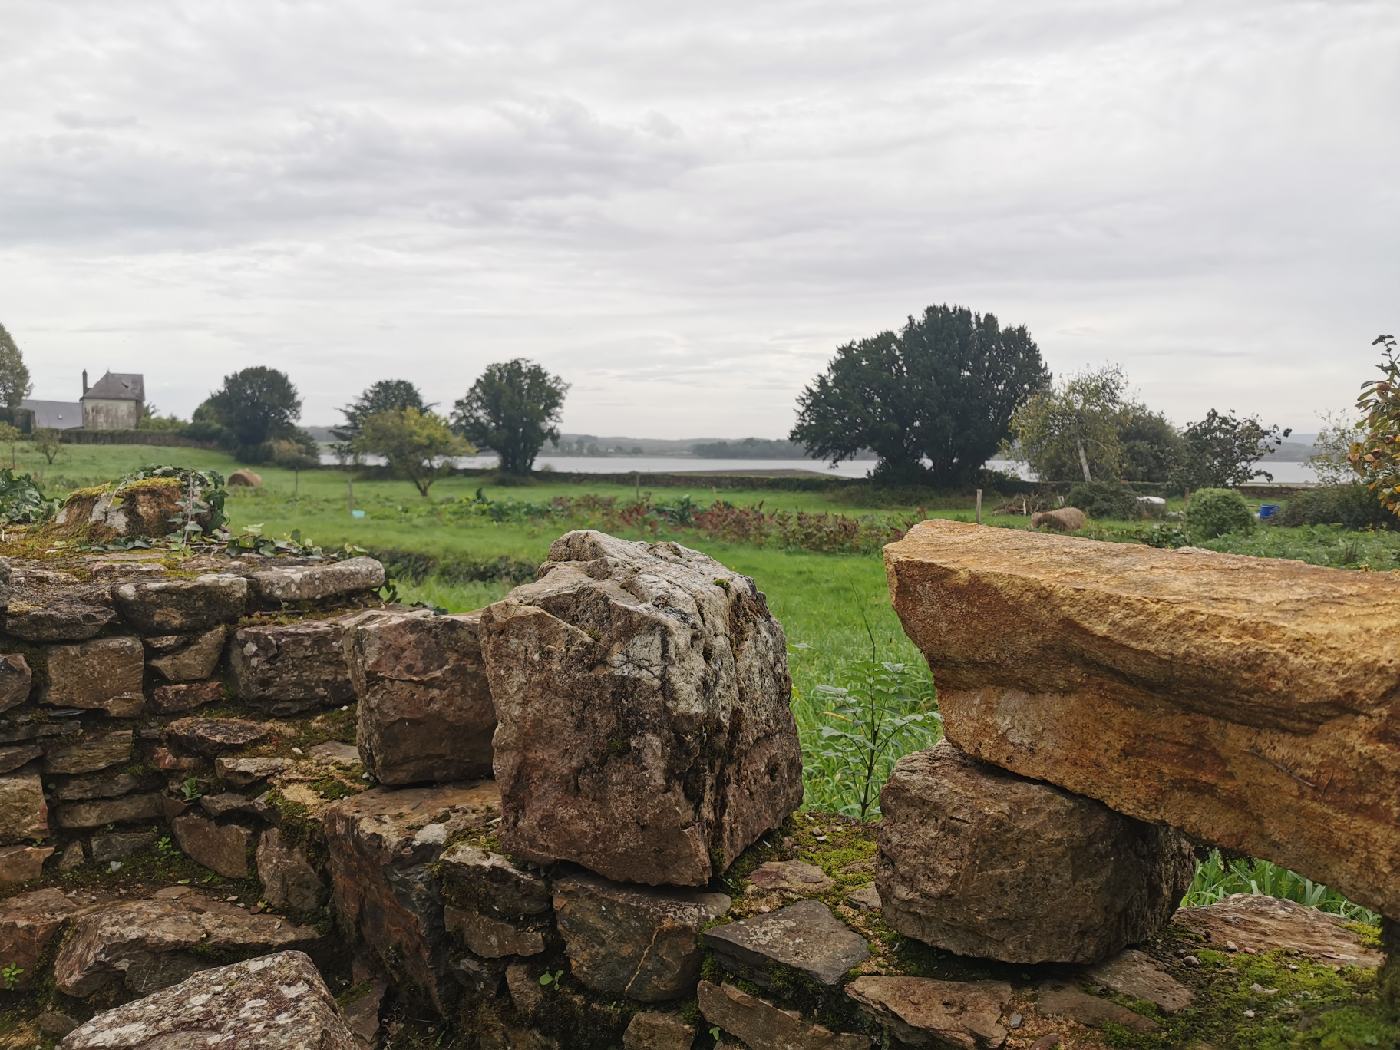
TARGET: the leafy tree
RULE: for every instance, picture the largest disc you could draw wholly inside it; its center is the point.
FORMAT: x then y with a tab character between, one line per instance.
417	445
255	405
1331	456
14	375
10	435
151	419
1377	456
49	444
512	409
944	389
1221	450
1075	427
1152	447
383	396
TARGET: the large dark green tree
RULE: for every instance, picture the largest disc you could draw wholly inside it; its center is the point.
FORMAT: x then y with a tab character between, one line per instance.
255	405
387	395
512	409
14	375
943	389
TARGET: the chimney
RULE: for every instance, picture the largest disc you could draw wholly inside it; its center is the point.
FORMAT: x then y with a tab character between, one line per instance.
85	385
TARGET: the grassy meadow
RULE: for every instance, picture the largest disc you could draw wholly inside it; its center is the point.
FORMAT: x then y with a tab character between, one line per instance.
834	606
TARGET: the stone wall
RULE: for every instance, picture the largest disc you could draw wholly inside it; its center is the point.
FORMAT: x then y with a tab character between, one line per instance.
565	821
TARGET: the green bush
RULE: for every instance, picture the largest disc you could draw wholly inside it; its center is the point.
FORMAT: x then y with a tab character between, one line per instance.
1353	506
1104	499
1218	512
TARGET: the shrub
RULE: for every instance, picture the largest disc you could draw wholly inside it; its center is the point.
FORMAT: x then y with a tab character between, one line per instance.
1104	499
1218	512
1353	506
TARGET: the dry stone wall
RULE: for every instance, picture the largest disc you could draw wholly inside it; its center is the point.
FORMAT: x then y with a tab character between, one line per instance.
566	821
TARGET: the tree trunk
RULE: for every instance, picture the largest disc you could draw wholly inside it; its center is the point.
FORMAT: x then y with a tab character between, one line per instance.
1084	461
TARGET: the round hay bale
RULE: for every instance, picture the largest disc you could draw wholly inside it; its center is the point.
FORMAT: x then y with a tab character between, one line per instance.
243	478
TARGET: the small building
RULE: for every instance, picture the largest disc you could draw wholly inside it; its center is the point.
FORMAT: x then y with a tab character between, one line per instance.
115	402
53	415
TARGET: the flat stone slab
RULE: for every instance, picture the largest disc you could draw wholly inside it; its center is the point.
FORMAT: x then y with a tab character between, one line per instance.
275	1002
763	1026
923	1011
805	937
105	674
1138	976
1255	923
318	582
148	944
179	606
1224	695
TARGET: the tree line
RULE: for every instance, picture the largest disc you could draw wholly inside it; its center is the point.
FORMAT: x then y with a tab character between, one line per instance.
952	388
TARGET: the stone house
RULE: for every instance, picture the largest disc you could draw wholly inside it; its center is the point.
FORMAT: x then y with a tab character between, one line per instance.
114	402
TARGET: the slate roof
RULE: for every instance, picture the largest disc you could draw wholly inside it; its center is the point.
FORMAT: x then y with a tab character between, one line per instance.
119	386
55	415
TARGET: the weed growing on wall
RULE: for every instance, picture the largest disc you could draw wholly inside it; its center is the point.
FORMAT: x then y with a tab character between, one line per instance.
884	710
1217	879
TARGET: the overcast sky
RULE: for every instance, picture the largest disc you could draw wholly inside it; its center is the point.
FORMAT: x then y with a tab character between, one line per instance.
684	209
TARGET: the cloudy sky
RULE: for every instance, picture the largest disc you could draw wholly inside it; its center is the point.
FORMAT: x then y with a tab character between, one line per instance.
685	208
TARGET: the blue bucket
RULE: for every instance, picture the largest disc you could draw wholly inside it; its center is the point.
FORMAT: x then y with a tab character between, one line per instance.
1268	510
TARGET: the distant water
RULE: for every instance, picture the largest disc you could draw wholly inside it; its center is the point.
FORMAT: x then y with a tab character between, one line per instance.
1285	473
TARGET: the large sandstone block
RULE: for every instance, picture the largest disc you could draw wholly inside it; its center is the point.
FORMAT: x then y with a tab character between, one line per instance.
275	1002
1251	702
642	695
425	713
317	582
1088	882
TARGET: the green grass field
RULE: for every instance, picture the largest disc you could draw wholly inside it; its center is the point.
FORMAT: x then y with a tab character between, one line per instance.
834	607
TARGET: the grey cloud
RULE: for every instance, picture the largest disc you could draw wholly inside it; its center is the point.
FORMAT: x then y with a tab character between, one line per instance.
684	210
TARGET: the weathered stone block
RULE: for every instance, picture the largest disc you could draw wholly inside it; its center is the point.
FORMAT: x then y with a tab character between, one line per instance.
118	845
276	1002
763	1026
12	757
1089	881
90	752
95	814
185	696
1248	701
21	864
180	658
56	607
15	679
215	736
29	923
805	937
222	848
493	884
642	695
290	668
104	674
145	945
382	844
288	878
425	712
924	1011
24	814
179	606
636	942
319	582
